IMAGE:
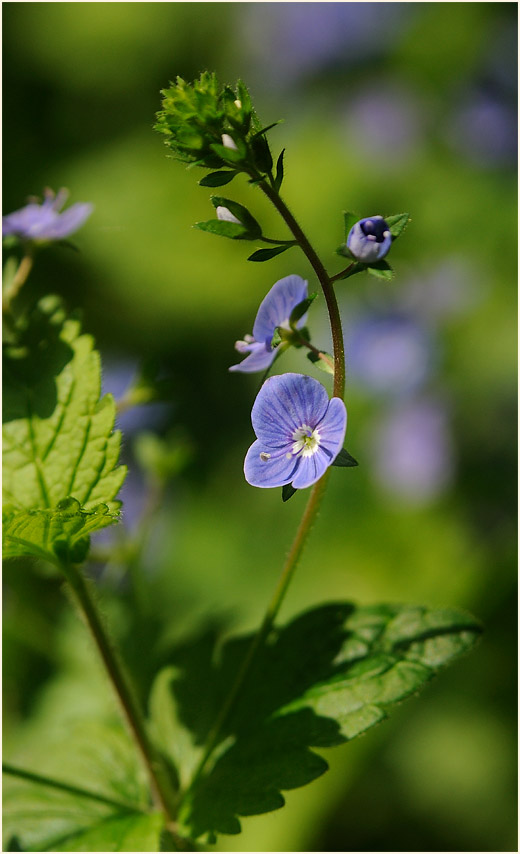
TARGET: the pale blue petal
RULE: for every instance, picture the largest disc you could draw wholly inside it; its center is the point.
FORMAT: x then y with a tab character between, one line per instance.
277	305
277	470
69	221
311	469
259	359
285	403
332	428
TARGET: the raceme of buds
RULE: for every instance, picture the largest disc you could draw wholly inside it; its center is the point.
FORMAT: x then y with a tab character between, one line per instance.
41	222
369	239
207	124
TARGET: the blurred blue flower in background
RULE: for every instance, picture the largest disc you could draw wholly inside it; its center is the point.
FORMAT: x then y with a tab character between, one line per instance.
384	121
484	129
412	453
41	222
308	37
451	288
390	354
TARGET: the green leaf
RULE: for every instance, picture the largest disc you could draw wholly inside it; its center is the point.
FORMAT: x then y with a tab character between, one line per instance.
49	534
320	681
327	367
288	491
223	228
58	436
248	221
349	219
117	833
229	155
344	459
261	152
279	171
217	179
397	224
267	254
381	270
301	309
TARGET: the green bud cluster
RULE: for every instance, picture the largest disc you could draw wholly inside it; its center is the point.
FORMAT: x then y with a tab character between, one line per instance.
212	126
208	125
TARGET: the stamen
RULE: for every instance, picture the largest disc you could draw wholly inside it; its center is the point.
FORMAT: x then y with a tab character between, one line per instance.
264	456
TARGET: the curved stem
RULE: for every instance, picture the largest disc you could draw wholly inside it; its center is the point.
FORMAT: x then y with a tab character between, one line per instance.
317	491
325	282
161	785
17	282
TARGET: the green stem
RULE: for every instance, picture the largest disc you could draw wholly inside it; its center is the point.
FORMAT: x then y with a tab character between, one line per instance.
325	282
343	273
17	282
304	343
161	785
317	491
42	780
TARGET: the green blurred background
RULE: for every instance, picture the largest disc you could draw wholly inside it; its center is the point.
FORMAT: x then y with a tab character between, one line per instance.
388	107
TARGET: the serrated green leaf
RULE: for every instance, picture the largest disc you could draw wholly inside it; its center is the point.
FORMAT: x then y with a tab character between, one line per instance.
58	435
217	179
397	224
326	677
267	254
381	270
48	534
321	364
117	833
223	228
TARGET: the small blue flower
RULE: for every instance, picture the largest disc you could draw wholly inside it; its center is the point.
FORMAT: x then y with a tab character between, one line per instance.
369	239
275	310
41	222
299	432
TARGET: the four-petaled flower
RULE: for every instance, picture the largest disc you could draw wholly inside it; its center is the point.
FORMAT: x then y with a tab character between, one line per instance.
369	239
41	222
299	432
275	311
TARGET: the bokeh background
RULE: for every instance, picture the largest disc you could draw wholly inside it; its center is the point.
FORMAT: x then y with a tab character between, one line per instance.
388	107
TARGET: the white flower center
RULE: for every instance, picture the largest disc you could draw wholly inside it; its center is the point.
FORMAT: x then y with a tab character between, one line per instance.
306	441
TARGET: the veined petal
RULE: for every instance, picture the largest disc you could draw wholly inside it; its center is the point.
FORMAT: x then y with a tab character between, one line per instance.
267	468
286	403
311	469
259	359
277	305
332	428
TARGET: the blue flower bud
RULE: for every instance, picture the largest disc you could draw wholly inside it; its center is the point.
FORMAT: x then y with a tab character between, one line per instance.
369	239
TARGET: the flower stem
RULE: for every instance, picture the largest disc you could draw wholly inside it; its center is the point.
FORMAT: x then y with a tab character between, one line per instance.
325	282
161	784
17	282
317	491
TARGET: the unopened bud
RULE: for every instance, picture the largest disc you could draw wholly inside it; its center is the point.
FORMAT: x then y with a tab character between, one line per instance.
228	142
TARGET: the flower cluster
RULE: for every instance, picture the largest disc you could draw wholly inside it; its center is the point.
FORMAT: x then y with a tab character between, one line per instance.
43	222
207	125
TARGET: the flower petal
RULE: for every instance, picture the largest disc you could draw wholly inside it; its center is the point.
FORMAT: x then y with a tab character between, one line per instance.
285	403
68	221
277	305
332	428
259	359
311	469
267	469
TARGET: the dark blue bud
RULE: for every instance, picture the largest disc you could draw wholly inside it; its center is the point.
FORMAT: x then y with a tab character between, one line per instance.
369	239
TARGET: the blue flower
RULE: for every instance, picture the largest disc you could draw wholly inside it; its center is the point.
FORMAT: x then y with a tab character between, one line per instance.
275	310
369	239
41	222
299	432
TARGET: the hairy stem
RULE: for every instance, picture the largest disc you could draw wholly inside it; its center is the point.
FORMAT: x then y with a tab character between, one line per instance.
161	785
317	491
17	282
